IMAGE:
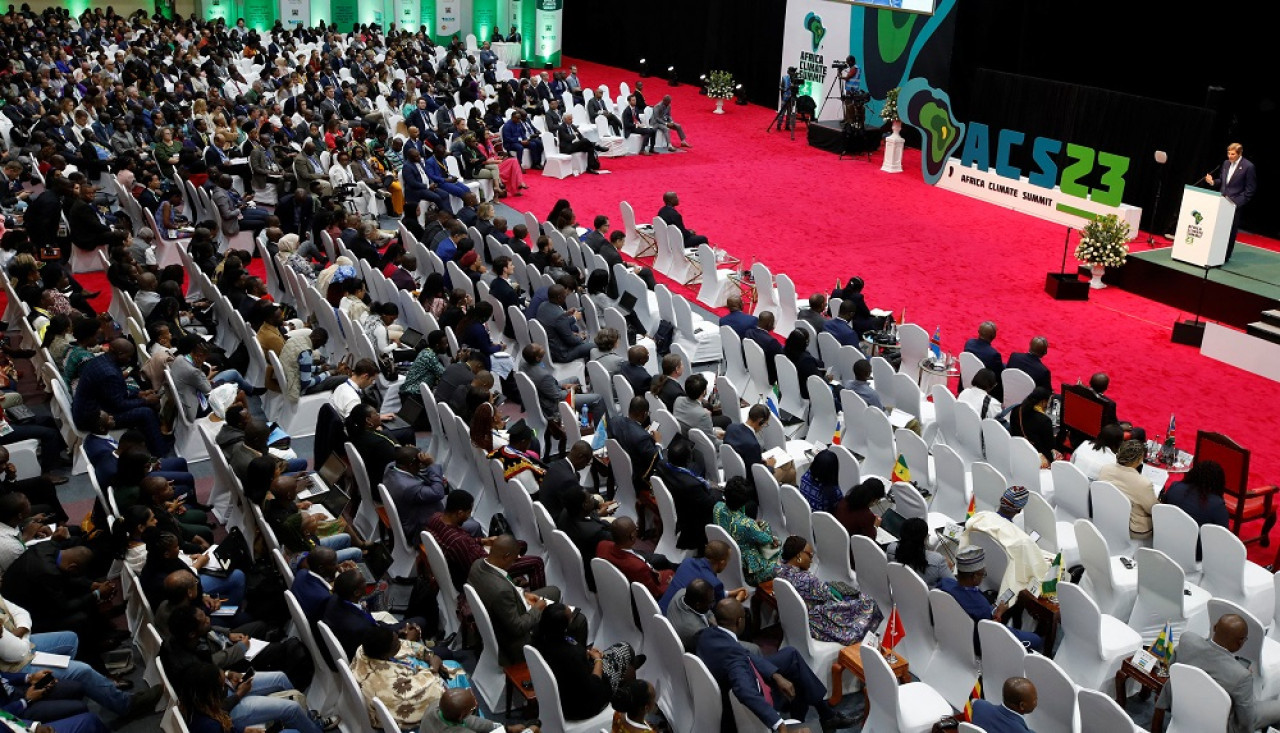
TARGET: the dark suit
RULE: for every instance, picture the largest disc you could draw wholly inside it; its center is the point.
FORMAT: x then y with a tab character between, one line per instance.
516	137
1239	191
571	141
513	622
1031	364
86	228
995	718
843	332
597	107
743	672
639	444
297	218
418	497
771	347
739	321
313	594
567	345
637	376
349	623
561	478
675	219
813	318
56	601
694	499
631	126
986	353
742	439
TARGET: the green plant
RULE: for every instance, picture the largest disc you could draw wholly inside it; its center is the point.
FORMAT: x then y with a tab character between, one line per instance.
889	113
720	85
1103	241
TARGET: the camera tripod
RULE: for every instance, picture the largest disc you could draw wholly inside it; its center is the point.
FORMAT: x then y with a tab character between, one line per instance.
835	91
786	112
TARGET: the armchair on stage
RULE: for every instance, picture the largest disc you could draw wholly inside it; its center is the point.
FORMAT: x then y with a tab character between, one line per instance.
1243	503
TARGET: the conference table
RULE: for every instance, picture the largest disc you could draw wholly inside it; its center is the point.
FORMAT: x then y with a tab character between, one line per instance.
508	53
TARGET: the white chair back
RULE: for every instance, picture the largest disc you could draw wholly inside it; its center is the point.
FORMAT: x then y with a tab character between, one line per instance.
1200	705
1111	514
955	668
1057	712
1070	491
1017	385
1003	656
1174	531
872	568
831	542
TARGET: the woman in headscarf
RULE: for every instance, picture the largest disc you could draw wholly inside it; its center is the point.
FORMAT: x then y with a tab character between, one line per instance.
837	611
288	256
341	269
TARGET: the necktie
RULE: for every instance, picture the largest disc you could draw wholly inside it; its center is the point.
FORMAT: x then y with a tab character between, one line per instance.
764	687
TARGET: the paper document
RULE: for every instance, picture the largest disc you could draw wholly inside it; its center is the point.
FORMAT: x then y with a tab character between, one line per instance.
780	456
225	611
42	659
319	509
255	647
899	419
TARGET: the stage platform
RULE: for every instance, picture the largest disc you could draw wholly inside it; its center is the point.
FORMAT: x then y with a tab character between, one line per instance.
1235	294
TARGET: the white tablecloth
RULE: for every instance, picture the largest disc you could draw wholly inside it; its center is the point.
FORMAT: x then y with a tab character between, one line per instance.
509	53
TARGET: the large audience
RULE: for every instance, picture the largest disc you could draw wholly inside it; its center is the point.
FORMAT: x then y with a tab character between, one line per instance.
306	143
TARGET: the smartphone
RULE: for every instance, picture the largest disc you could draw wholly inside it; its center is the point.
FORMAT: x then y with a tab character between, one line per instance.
45	681
1005	597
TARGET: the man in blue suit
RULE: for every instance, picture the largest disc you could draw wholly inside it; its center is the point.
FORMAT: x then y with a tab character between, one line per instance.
438	173
1032	362
1238	181
761	333
735	318
1019	696
842	327
418	188
313	584
708	567
766	685
517	135
981	347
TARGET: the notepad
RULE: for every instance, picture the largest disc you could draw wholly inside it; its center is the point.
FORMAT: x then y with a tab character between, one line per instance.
43	659
779	455
320	510
225	611
255	647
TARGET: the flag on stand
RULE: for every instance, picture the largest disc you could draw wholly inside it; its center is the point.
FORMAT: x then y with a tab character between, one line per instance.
894	632
838	434
1169	434
935	343
900	470
972	507
771	400
568	398
1162	647
974	694
1049	587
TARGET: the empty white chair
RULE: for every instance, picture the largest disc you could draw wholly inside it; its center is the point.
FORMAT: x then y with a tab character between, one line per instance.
796	511
881	450
969	366
872	569
914	342
1094	643
614	594
1003	656
954	669
716	285
1174	532
1106	579
667	512
911	598
831	542
1111	513
951	490
968	434
1161	598
1057	711
548	690
1055	536
735	364
1103	713
1200	705
822	411
910	708
1229	575
705	693
912	448
1017	385
1024	463
794	616
995	446
1070	492
989	485
788	306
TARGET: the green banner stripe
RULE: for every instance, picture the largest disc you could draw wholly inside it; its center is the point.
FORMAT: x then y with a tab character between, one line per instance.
1064	208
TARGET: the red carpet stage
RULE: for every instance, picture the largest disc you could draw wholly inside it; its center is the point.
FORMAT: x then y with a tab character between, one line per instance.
943	259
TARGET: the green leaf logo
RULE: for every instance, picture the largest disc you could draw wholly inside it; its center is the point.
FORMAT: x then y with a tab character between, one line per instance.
813	24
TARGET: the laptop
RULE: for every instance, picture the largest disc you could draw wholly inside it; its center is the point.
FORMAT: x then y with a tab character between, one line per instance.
627	301
411	338
411	411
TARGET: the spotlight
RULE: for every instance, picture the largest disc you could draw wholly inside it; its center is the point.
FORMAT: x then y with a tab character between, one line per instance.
644	69
702	82
738	99
672	78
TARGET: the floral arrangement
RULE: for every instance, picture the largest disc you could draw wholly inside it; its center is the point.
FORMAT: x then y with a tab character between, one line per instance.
889	112
720	85
1103	241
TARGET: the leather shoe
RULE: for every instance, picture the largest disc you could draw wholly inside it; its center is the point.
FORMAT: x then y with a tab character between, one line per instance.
839	721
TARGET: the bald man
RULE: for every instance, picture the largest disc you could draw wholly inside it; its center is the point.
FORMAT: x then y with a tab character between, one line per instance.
737	320
671	216
102	389
620	552
1019	696
456	710
1217	657
1032	362
981	347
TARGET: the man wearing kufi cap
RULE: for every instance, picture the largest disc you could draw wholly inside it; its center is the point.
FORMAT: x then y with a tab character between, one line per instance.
1027	562
971	570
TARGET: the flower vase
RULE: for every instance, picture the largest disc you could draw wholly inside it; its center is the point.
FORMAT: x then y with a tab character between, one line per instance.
1097	272
893	149
719	107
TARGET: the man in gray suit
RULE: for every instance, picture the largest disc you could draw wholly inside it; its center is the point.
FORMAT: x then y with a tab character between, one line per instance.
661	120
514	612
690	412
690	612
1216	656
417	487
308	169
568	344
550	392
189	378
553	116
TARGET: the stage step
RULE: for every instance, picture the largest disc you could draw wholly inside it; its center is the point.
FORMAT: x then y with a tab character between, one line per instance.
1264	330
1272	317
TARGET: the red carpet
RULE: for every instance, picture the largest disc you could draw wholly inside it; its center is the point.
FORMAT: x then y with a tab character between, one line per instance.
945	259
942	258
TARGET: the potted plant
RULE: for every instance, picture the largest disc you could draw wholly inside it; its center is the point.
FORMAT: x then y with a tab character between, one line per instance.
893	144
889	112
1103	244
720	88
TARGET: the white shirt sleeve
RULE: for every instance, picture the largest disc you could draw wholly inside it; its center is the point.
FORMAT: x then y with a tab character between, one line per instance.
345	398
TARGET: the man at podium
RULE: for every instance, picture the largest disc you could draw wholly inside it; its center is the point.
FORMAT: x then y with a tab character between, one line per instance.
1237	181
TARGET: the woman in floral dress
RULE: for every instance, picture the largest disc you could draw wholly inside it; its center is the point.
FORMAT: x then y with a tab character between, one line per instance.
837	611
754	537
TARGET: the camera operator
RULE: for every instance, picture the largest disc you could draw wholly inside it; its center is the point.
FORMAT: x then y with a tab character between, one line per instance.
852	88
788	88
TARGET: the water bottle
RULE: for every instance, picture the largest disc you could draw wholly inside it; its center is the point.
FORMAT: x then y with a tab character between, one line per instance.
583	420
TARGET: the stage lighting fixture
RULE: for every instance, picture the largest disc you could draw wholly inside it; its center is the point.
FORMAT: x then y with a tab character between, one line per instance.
738	98
1161	157
672	78
644	69
702	82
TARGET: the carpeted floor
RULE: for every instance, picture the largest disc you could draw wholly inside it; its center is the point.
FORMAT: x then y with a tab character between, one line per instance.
937	257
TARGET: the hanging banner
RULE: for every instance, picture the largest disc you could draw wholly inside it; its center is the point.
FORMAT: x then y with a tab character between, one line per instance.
526	24
225	9
260	14
816	33
408	15
548	19
484	16
427	16
344	14
295	13
448	18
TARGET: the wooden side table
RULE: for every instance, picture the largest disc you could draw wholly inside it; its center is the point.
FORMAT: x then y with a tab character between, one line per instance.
850	658
1151	683
1046	614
